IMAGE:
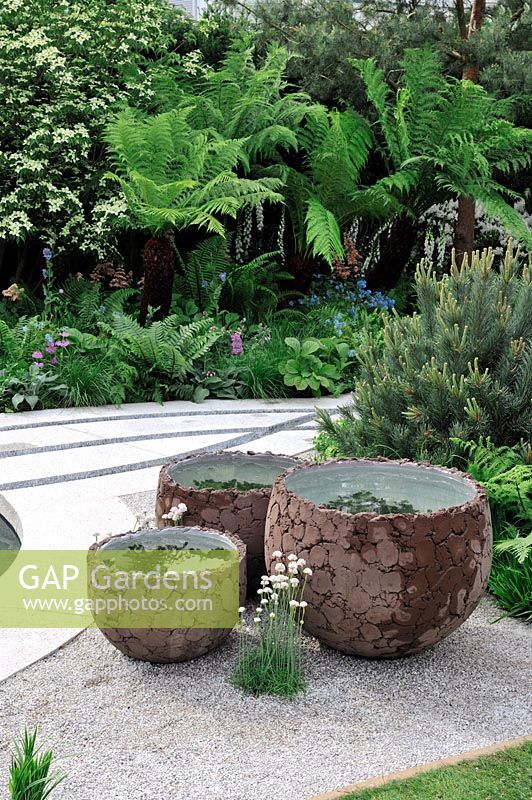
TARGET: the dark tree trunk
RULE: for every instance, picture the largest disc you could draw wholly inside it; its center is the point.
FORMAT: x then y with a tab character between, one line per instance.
464	239
303	269
396	247
159	270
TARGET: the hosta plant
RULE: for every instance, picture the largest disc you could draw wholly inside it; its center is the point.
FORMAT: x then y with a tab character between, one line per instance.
315	364
461	366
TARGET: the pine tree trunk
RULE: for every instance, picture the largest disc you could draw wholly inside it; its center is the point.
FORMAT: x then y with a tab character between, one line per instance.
159	270
464	239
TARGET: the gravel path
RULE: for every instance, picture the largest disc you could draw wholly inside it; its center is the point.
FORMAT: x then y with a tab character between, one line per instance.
134	731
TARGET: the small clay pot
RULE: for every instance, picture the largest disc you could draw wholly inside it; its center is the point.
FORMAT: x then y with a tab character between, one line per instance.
165	645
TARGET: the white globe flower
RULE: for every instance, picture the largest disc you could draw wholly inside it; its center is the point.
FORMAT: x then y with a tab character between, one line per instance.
307	571
257	620
301	562
242	610
272	615
280	568
303	604
182	508
292	557
264	601
294	582
294	604
277	554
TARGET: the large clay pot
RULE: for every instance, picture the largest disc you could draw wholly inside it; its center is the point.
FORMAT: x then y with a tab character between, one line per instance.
233	508
383	584
164	645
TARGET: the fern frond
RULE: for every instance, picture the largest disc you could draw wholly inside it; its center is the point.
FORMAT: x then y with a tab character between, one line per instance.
323	232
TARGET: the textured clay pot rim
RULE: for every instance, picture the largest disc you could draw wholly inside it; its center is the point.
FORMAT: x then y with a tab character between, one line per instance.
233	491
469	505
237	545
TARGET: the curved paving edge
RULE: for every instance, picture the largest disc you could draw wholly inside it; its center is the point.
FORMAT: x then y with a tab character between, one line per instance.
64	470
404	774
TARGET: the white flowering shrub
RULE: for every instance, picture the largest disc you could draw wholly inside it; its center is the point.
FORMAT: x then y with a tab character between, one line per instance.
438	226
67	66
269	659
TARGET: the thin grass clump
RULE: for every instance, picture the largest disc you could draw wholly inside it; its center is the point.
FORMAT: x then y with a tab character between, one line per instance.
31	776
269	657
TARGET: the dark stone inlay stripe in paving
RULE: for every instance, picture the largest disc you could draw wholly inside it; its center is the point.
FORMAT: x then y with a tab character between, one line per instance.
96	473
50	448
157	415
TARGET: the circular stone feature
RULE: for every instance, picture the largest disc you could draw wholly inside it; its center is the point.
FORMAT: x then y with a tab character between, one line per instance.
400	552
165	645
226	491
9	538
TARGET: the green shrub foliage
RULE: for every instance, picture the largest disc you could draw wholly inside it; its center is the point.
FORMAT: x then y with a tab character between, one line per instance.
460	367
66	67
506	472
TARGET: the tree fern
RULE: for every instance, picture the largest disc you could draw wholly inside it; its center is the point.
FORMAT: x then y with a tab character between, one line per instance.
174	176
440	138
249	103
319	197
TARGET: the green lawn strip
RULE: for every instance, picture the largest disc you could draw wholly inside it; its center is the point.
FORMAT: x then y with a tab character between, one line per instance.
504	776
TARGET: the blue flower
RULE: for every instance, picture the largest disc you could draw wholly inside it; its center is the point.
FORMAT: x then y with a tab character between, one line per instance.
223	276
204	284
48	338
47	254
350	353
101	309
361	284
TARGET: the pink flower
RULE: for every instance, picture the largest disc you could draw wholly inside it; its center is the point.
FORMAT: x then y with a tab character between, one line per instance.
53	362
51	349
39	364
237	346
37	354
62	343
